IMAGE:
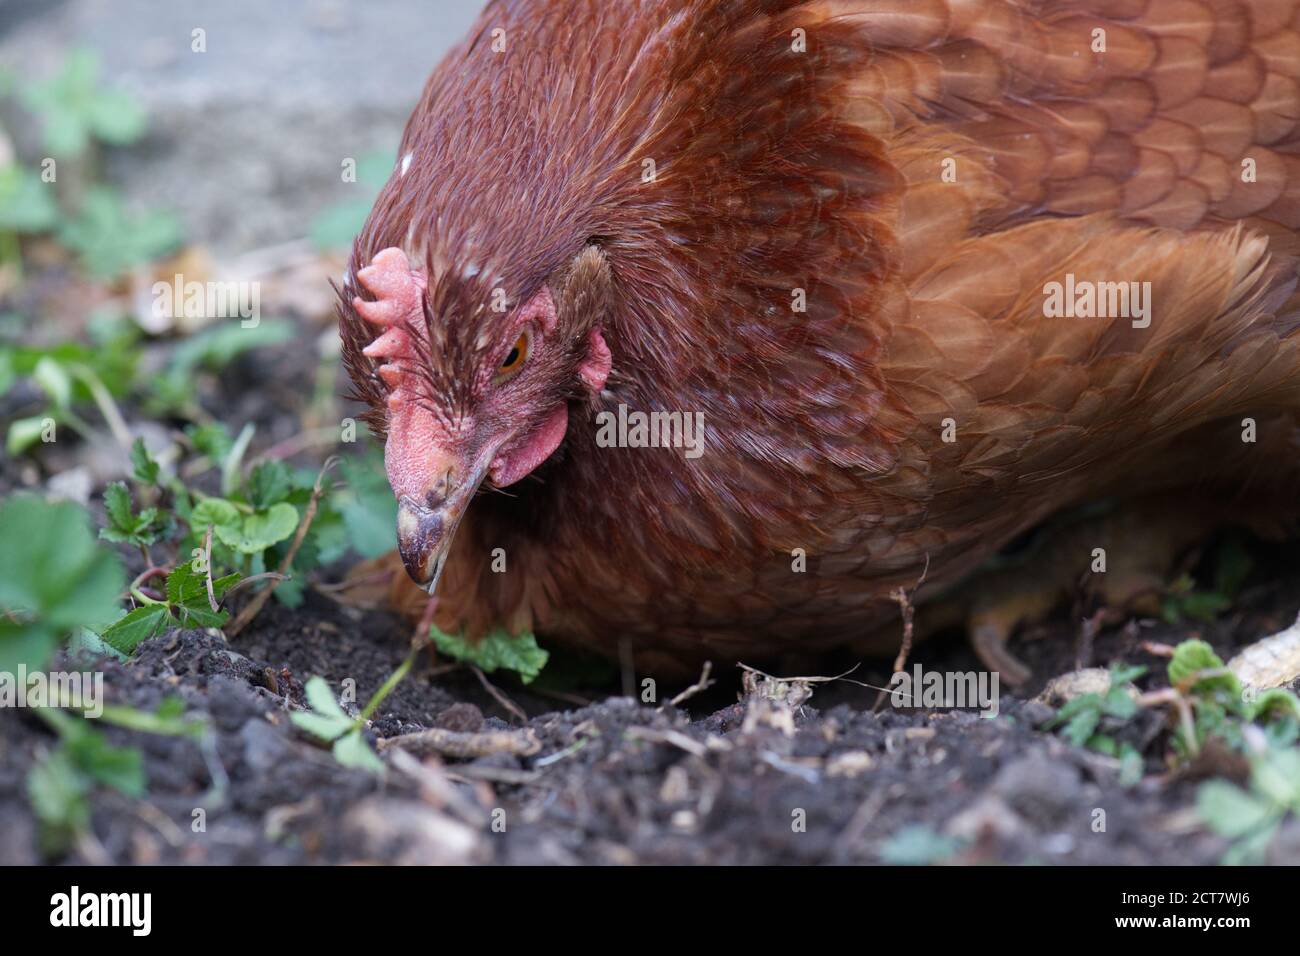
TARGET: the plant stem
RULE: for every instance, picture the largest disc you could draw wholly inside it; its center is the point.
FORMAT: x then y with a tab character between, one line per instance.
107	406
386	688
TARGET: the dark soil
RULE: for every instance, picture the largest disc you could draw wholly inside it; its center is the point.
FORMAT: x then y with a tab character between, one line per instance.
617	781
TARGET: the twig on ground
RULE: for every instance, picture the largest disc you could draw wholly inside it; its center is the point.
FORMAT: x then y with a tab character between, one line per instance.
499	696
904	599
435	789
701	685
465	745
1089	627
674	737
1157	648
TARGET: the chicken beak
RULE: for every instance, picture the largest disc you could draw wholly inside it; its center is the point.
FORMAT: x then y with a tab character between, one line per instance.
425	529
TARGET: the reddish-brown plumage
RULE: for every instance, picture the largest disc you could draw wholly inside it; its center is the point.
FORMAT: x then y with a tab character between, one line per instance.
916	173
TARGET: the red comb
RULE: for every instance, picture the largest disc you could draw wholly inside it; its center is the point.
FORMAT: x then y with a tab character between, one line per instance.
397	309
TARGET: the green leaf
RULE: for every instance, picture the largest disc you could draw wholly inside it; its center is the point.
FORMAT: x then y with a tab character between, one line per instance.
1193	656
217	512
1103	744
1273	703
171	709
25	645
111	241
168	720
187	592
368	507
496	650
261	529
1230	811
322	699
1131	768
8	375
53	569
351	750
1073	707
86	645
27	204
58	793
24	433
1119	703
1203	605
269	484
187	586
124	525
212	440
54	380
198	616
1251	848
1276	775
917	845
1234	565
144	468
136	626
335	226
74	106
327	719
1120	674
116	118
1081	727
117	502
325	728
121	768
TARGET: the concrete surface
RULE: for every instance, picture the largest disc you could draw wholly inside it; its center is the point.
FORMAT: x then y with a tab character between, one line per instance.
246	139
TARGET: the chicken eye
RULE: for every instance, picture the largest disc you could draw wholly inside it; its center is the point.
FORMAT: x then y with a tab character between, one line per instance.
516	357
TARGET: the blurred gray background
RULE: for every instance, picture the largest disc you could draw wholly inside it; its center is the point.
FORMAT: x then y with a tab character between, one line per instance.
245	140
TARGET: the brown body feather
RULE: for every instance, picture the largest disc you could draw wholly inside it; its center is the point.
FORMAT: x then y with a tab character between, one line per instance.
824	170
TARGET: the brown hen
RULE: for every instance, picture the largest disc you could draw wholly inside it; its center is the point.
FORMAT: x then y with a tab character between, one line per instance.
844	233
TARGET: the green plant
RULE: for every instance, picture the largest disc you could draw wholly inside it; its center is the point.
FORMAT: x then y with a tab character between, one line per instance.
125	526
189	602
336	225
27	205
77	112
61	782
69	376
366	504
1207	700
210	350
1185	602
54	579
918	845
497	650
328	722
1090	720
111	241
1251	817
1220	706
76	109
